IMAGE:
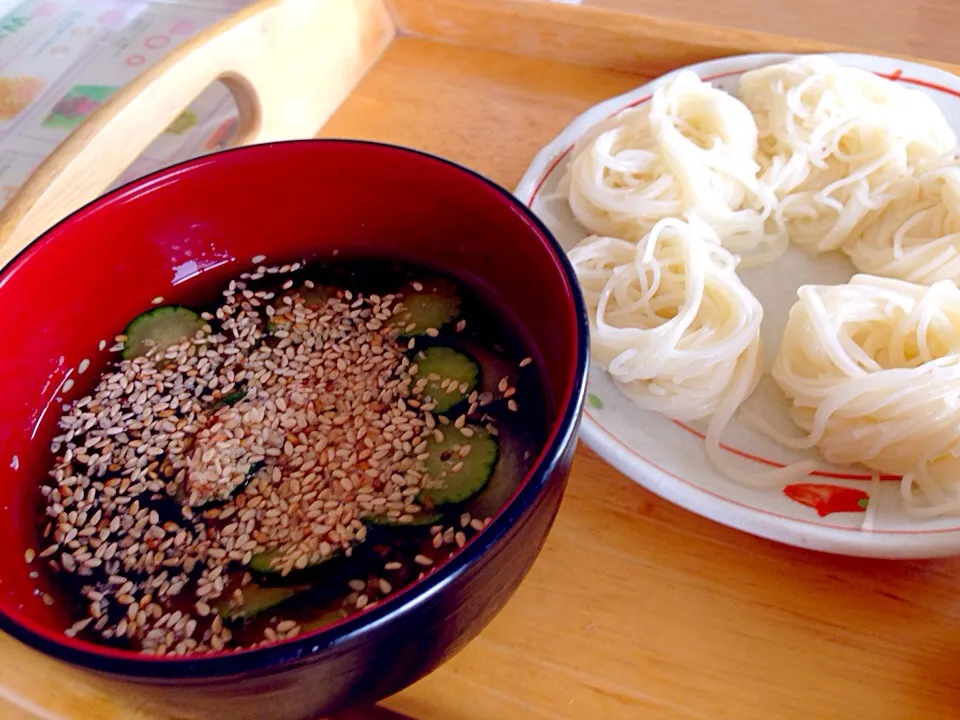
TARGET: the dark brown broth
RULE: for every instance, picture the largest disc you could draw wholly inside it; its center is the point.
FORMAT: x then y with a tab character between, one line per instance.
488	337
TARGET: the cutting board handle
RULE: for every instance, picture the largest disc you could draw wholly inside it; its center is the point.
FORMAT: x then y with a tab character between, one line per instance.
288	63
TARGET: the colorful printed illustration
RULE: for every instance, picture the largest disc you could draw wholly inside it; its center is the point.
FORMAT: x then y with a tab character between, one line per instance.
12	25
77	105
184	122
221	137
16	93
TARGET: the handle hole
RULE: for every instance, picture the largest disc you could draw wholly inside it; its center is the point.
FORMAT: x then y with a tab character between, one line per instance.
248	107
211	122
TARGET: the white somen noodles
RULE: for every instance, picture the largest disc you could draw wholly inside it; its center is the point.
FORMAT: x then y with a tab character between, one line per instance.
688	152
916	237
872	373
834	139
675	327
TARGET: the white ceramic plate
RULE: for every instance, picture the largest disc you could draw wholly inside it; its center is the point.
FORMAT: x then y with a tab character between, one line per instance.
668	458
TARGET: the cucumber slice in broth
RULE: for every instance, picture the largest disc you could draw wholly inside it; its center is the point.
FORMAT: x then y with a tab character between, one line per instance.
454	478
160	328
257	599
450	376
419	519
429	304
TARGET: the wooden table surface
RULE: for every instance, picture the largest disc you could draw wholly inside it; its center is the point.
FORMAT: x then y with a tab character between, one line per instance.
636	608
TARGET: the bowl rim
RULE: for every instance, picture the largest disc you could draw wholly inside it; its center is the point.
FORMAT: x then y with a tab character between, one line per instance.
278	655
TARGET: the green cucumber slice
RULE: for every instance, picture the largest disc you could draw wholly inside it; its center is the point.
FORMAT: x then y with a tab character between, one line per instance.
262	563
227	493
440	365
420	519
508	471
232	398
324	618
436	303
448	487
257	599
160	328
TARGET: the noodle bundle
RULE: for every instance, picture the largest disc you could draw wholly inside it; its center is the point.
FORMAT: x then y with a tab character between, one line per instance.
670	319
872	372
834	140
916	237
688	152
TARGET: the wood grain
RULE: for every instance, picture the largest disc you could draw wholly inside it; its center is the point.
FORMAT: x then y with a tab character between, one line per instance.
631	42
600	37
266	55
636	609
924	27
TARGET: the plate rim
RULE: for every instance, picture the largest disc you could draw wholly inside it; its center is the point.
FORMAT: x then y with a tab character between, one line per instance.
808	534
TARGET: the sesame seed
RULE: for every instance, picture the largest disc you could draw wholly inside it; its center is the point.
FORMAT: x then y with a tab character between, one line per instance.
67	386
512	405
526	361
286	436
157	300
29	555
257	259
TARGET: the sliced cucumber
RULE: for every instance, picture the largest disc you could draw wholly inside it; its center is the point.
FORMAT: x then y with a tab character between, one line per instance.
443	367
262	563
508	471
160	328
418	520
226	493
256	599
324	618
232	398
436	303
449	487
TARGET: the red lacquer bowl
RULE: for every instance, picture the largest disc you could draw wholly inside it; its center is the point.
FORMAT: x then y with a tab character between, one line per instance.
183	232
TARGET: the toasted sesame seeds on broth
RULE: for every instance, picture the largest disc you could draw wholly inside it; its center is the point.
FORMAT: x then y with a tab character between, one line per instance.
296	455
